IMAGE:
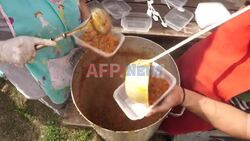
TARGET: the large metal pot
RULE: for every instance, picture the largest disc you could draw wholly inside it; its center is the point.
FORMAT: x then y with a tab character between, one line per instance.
93	96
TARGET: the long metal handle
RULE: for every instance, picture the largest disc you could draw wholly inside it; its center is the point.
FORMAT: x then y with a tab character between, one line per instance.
65	35
37	47
199	34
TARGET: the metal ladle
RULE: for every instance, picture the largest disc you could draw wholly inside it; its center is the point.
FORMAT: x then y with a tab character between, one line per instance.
100	20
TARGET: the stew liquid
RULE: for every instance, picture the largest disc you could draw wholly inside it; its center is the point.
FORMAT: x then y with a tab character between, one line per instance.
157	87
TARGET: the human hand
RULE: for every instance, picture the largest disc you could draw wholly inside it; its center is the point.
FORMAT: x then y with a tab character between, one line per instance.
175	98
21	49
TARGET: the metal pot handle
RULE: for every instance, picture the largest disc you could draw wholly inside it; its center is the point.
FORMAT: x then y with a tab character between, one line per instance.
178	114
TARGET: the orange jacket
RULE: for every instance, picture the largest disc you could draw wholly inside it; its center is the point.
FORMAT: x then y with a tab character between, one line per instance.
217	67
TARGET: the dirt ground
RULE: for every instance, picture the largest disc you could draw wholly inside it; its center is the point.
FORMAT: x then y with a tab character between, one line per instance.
28	120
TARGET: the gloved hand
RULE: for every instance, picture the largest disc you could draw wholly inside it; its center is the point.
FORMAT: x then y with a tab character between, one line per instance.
21	49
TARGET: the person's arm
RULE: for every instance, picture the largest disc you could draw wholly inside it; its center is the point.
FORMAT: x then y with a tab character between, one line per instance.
222	116
20	50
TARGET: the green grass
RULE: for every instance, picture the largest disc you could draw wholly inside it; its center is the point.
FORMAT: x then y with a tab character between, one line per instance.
84	135
24	113
25	120
54	133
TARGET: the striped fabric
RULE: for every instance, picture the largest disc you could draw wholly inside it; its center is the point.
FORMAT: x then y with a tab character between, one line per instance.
5	32
240	104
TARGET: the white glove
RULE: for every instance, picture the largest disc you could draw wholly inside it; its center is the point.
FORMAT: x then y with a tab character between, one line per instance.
21	49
